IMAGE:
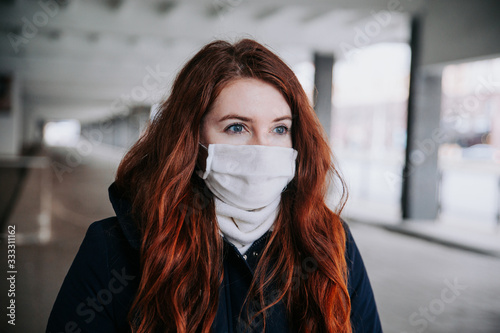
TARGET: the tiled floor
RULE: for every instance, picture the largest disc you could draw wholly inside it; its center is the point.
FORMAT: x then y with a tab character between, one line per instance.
420	286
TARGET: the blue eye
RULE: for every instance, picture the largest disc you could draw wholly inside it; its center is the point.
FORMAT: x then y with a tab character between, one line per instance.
281	130
235	128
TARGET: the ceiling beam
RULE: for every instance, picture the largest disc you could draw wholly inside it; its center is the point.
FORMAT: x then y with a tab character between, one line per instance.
165	7
267	12
114	4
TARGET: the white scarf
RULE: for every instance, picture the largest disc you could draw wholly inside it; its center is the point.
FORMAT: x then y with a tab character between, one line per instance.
242	227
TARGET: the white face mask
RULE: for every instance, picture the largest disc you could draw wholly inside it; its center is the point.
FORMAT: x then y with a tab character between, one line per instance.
246	176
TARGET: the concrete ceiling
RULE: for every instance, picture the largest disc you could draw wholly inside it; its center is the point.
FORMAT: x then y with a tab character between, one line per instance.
85	59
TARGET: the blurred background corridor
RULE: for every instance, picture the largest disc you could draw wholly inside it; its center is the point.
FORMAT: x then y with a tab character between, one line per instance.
408	92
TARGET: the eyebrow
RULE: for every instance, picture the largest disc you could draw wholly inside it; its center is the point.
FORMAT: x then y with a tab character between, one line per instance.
242	118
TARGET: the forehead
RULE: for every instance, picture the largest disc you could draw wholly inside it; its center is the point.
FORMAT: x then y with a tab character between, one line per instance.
248	95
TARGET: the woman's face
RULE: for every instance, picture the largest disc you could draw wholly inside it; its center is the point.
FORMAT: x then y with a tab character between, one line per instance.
248	112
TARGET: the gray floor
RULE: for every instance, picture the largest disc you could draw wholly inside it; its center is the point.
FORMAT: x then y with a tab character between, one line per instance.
425	287
419	286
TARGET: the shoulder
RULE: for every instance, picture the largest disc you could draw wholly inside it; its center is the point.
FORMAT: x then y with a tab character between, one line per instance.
107	251
352	254
364	314
106	244
97	291
105	228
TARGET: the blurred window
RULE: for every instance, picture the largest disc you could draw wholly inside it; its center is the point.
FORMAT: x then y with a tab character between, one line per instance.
368	134
470	159
62	133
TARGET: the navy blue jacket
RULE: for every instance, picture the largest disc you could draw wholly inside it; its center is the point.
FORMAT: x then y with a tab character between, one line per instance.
100	286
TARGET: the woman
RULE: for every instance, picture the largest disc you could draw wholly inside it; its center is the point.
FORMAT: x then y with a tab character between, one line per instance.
221	218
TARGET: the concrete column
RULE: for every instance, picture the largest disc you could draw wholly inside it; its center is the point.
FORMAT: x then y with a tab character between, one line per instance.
421	175
420	199
11	118
323	84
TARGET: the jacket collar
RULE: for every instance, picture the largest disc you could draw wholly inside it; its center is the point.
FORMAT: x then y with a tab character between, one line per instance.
123	210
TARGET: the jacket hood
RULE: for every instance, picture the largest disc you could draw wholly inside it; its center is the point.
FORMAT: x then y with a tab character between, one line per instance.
123	210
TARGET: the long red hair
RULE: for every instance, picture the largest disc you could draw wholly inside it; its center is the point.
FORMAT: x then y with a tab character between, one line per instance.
176	216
